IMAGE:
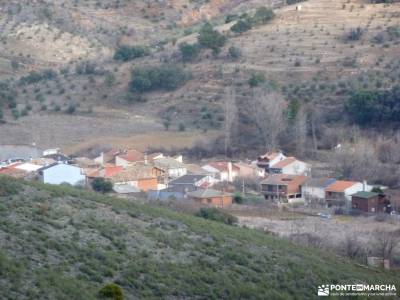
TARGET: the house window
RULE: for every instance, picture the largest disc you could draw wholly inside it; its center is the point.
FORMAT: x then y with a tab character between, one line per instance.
209	200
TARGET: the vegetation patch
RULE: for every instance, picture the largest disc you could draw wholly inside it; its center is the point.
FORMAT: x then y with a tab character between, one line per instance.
165	77
374	107
127	53
215	214
67	243
9	186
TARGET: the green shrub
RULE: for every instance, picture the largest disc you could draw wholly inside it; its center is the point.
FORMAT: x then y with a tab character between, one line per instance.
217	215
86	68
35	77
230	18
165	77
9	186
238	198
234	52
102	185
167	124
7	94
241	26
189	52
111	291
109	80
263	15
182	127
210	38
374	107
15	113
127	53
71	109
354	34
256	79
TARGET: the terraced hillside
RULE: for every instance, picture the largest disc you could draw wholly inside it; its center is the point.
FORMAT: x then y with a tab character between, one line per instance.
308	57
63	243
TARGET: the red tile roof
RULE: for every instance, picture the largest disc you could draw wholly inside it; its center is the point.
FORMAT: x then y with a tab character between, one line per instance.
132	156
12	171
106	172
340	186
284	162
111	171
135	172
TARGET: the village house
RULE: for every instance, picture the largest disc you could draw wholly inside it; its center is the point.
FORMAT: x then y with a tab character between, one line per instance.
151	157
211	197
11	170
105	172
339	192
86	163
290	166
249	170
283	188
222	171
59	173
59	157
173	168
107	157
370	202
313	189
51	151
28	167
142	176
189	182
129	157
125	189
174	192
195	169
268	159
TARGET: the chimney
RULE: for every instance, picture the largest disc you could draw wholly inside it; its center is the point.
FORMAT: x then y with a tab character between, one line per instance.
364	185
145	158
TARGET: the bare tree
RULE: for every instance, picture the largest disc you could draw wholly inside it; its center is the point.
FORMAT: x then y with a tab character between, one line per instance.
357	161
386	242
315	123
351	246
300	130
230	112
268	110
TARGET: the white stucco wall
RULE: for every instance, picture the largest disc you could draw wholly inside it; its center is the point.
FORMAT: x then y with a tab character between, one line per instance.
121	162
296	168
178	172
63	173
358	187
313	192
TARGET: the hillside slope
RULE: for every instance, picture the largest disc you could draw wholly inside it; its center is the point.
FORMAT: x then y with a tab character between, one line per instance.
63	243
304	55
